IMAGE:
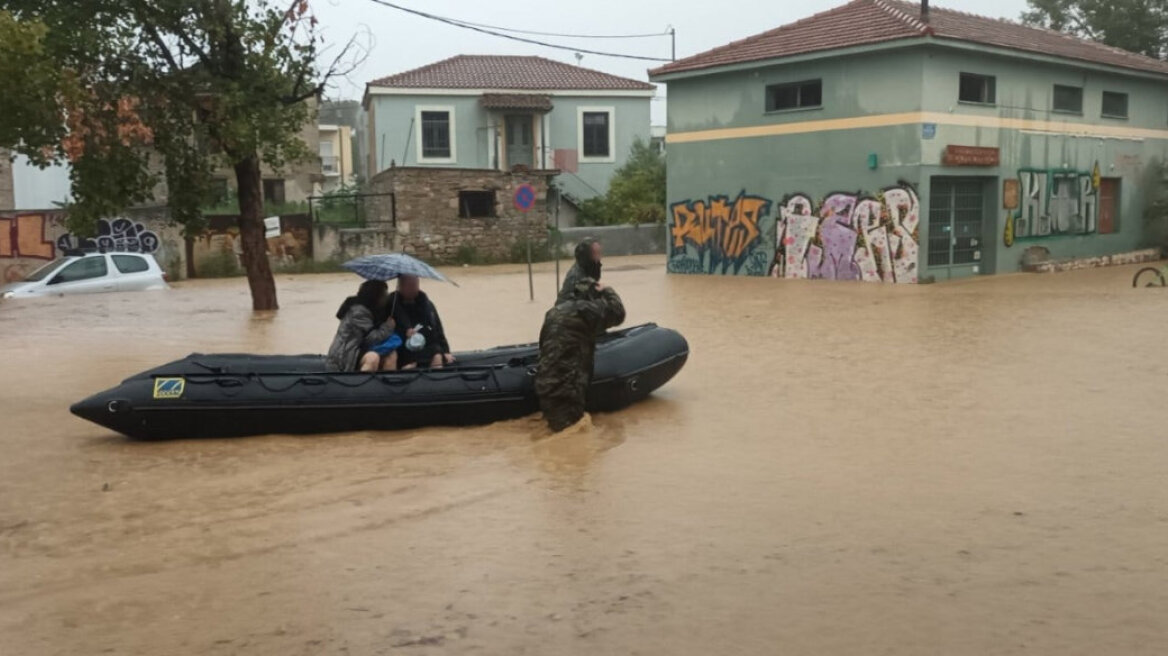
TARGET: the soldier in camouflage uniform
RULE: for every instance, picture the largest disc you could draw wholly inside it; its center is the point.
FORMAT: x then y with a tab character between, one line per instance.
588	254
567	346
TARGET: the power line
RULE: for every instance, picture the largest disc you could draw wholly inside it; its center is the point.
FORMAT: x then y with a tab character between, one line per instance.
566	36
492	32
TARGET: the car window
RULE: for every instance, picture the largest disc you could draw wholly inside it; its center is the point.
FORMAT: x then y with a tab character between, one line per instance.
45	271
84	269
130	263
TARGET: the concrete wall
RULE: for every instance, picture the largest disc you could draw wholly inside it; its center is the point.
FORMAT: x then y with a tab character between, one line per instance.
643	239
726	196
1024	93
843	191
394	135
28	240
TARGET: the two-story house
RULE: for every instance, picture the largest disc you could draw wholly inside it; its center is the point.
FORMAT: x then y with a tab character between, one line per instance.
887	141
491	112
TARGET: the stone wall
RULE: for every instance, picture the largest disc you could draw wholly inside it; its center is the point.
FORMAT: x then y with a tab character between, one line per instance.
427	211
1117	259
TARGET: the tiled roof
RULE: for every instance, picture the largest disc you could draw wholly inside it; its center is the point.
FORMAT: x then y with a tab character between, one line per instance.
863	22
508	72
535	101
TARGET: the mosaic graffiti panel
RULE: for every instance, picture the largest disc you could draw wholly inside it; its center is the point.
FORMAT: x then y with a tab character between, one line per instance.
1055	202
850	236
719	235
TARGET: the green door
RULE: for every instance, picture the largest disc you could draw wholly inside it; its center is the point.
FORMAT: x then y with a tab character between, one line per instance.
956	227
519	140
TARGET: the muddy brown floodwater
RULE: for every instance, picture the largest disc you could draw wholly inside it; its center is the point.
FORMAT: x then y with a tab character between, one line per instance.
969	468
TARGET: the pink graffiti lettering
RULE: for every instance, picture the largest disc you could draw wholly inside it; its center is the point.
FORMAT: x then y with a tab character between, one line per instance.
851	237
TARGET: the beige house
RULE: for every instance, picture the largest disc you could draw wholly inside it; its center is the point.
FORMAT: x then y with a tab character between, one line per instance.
336	157
7	198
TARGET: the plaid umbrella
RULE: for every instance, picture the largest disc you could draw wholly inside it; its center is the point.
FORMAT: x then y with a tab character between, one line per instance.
392	265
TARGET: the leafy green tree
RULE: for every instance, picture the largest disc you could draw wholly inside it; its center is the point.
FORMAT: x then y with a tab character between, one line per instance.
636	193
1134	25
136	92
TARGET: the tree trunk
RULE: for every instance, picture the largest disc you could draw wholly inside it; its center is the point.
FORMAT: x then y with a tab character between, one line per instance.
254	245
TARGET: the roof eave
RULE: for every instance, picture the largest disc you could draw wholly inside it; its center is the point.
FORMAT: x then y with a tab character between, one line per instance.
893	44
908	42
375	90
981	48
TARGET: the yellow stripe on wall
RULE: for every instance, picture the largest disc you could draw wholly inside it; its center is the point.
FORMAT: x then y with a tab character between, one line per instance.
914	118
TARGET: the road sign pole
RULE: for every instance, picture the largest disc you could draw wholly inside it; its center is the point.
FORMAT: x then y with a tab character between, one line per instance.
524	200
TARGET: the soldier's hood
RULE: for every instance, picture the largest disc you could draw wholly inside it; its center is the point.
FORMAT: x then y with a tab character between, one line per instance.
584	258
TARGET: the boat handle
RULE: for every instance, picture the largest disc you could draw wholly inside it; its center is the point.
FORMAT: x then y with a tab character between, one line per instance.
476	375
228	382
307	380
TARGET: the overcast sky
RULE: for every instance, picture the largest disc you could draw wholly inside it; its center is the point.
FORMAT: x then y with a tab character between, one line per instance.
401	41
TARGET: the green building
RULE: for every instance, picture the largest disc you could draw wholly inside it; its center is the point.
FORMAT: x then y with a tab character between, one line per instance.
884	141
500	112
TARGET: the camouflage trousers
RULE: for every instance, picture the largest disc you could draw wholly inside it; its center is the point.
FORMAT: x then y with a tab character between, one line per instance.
565	369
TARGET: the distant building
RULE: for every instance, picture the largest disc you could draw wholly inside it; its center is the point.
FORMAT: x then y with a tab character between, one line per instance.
657	138
502	112
336	157
7	200
881	142
348	113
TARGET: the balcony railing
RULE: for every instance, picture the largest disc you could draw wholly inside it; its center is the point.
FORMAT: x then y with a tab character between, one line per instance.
330	165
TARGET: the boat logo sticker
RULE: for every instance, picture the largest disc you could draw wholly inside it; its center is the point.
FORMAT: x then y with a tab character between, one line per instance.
169	388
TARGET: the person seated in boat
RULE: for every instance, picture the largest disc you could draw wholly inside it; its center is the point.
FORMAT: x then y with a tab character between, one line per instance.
567	347
588	256
424	341
365	340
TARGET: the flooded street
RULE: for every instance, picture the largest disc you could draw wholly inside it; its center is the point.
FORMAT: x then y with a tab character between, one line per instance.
969	468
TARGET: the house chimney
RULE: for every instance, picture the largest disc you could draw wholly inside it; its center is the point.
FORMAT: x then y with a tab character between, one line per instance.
924	11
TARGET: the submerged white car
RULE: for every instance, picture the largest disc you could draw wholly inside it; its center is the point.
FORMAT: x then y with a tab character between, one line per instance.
90	273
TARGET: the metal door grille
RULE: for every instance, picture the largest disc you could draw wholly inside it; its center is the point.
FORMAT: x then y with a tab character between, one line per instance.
956	211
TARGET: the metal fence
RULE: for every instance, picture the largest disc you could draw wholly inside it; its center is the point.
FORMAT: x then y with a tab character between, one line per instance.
354	209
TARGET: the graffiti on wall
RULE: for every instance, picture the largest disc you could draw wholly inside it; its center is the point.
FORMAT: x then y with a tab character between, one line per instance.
1055	202
115	235
718	235
873	238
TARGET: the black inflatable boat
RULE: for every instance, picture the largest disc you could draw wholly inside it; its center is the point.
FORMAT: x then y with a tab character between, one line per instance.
235	395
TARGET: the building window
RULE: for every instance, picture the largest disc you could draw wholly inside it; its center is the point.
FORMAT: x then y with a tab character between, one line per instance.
798	95
1068	99
218	191
436	134
274	191
1114	104
980	89
1108	205
596	134
476	204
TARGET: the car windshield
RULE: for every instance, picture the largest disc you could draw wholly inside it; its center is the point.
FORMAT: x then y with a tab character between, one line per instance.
45	271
